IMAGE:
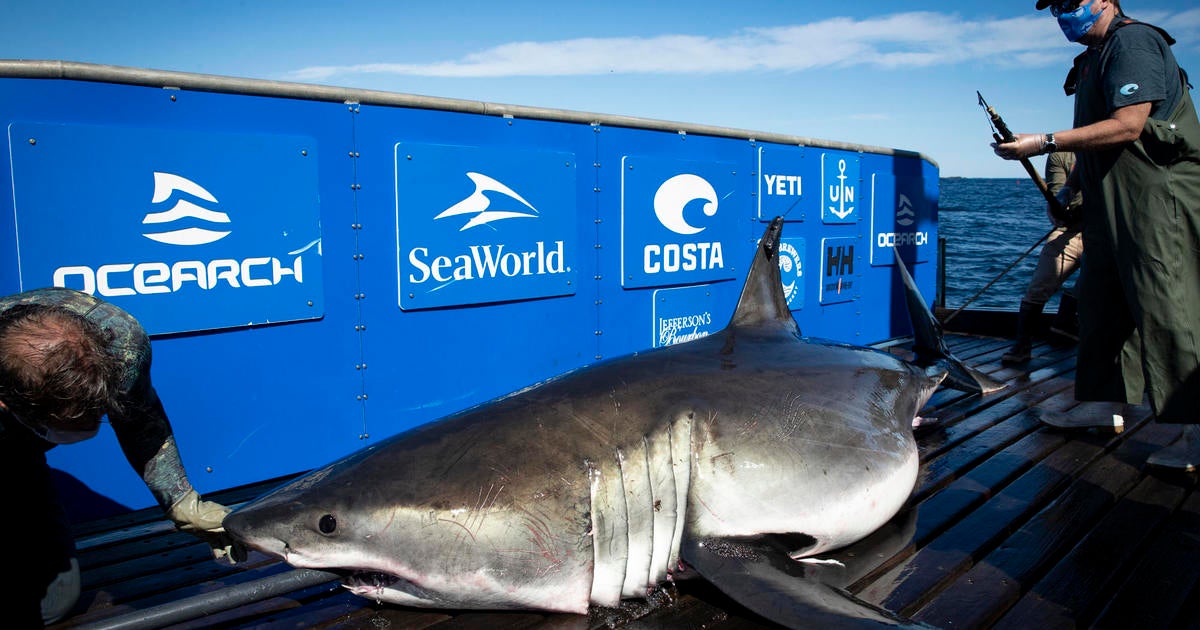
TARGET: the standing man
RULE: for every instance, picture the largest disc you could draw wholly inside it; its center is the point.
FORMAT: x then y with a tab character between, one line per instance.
66	359
1059	258
1137	141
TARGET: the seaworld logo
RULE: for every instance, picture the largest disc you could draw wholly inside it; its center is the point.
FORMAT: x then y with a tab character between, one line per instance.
491	260
478	203
670	200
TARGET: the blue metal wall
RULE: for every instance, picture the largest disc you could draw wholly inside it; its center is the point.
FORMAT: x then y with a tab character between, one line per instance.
444	258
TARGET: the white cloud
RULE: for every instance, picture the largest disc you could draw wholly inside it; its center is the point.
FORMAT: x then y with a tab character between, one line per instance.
916	39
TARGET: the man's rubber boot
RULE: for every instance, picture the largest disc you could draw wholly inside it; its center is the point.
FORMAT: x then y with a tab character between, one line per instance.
1027	319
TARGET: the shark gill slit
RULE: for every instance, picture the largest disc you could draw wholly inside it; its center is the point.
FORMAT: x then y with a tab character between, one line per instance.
663	502
610	540
639	506
680	433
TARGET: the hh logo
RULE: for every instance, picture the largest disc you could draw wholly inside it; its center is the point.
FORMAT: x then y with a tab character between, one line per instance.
839	261
166	187
479	204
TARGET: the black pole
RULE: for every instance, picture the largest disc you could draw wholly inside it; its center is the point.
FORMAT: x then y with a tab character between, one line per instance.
224	599
941	273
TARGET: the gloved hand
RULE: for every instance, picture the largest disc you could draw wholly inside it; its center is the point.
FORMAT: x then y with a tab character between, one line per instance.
202	519
1064	195
1026	145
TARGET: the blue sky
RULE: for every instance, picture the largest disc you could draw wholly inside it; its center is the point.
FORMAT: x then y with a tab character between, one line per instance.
897	73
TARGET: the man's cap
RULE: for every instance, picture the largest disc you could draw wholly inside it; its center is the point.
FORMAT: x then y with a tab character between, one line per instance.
1042	4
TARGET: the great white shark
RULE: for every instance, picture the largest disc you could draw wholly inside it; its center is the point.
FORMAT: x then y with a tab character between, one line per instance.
599	484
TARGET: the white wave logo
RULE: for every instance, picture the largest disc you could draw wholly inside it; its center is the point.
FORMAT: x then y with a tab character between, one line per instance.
478	203
675	194
165	185
904	212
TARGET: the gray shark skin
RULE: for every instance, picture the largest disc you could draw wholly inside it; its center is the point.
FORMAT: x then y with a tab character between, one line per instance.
601	483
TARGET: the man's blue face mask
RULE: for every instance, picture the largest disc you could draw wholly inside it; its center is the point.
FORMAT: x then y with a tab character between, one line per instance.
1074	18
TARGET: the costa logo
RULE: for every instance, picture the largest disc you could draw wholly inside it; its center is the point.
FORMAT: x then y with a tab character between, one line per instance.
670	200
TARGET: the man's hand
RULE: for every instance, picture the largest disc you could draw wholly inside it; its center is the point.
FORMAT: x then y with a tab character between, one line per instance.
1026	145
202	519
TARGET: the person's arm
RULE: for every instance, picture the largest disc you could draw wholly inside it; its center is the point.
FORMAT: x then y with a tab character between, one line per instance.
146	437
1122	127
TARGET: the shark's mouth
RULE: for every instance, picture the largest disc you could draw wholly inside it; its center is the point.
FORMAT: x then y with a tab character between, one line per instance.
382	586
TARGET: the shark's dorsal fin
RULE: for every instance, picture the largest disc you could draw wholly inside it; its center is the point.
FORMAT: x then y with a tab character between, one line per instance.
762	303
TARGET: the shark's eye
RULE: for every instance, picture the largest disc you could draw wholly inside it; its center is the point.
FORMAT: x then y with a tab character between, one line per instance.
327	524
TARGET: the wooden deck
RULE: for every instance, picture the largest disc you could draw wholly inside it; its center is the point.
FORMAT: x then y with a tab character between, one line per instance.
1012	525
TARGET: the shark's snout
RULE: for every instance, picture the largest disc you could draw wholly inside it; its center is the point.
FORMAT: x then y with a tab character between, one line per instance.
241	525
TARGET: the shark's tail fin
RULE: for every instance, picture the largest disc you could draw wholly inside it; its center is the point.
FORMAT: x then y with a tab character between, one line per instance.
930	346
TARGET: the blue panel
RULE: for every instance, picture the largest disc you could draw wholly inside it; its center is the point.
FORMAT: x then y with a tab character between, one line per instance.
626	316
683	314
425	363
788	183
246	403
840	187
838	276
901	217
187	231
481	224
676	220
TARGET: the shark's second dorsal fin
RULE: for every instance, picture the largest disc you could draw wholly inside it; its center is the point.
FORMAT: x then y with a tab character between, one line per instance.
762	303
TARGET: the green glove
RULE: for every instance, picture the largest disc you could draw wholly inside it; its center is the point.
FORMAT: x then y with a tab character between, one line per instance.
202	519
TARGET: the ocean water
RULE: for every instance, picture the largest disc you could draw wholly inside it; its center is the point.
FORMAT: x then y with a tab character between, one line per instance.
987	224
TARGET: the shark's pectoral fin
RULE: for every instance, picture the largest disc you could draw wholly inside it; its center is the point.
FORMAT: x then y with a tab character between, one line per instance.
758	573
930	346
963	377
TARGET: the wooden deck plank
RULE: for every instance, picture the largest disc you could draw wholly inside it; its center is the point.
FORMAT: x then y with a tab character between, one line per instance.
1072	593
1165	581
912	583
989	588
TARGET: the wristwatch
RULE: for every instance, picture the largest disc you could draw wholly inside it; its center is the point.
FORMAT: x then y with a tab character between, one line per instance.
1049	145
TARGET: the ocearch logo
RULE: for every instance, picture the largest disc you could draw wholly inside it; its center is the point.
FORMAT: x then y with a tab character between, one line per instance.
670	200
905	217
165	187
155	277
